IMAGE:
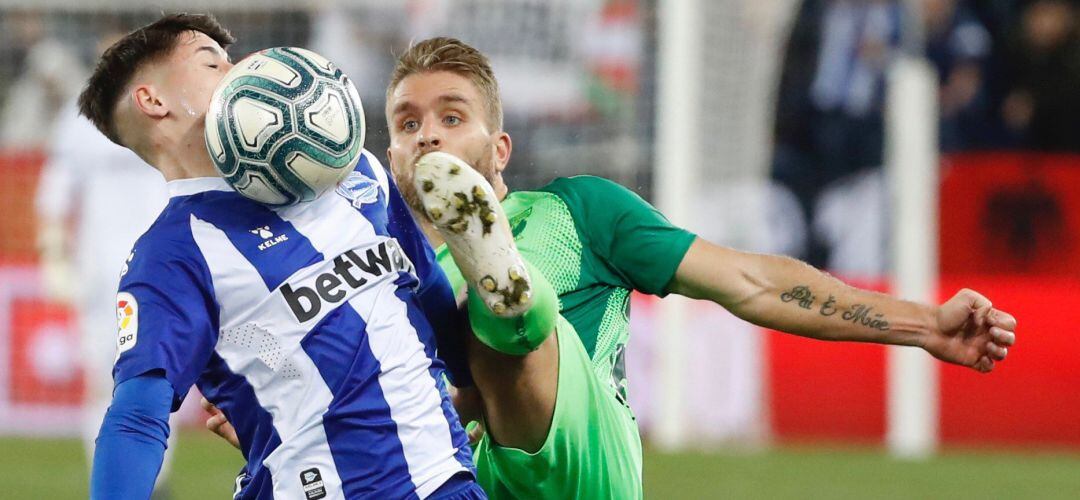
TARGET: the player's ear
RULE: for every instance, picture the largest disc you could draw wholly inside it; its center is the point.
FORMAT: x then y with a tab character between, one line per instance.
503	146
148	101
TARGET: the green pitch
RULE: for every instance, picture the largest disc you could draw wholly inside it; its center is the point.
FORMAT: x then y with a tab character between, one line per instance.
861	473
205	467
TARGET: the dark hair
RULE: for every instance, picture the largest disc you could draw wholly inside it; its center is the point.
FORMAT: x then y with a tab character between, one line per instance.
120	62
455	56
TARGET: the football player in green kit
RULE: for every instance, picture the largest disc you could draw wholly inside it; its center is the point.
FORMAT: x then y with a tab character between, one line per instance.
548	275
551	317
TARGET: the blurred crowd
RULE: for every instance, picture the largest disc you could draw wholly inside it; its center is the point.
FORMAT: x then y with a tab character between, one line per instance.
577	79
1008	79
569	71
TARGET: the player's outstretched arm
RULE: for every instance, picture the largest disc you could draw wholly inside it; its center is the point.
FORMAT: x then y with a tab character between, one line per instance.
788	295
132	440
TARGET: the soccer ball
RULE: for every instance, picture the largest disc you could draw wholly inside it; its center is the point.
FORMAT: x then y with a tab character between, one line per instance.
284	126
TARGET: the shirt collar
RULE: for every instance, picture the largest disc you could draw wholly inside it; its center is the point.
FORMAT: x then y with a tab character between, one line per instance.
187	187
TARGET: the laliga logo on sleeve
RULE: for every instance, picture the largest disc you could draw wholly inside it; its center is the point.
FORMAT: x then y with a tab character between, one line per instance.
127	322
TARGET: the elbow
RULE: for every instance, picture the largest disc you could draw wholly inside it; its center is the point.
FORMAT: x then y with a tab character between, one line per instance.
135	425
748	295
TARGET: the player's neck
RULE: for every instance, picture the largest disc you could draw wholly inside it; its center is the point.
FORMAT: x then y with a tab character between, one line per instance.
187	162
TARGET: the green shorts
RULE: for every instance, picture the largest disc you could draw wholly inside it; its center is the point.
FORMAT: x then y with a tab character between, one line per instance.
592	450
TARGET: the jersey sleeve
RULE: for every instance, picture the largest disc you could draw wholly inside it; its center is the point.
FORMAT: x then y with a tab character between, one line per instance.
636	244
167	316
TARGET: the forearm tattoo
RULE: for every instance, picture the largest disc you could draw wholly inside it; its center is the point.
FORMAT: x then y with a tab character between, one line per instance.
829	307
801	294
864	315
859	314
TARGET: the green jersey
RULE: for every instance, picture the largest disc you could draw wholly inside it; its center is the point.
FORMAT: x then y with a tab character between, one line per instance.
594	241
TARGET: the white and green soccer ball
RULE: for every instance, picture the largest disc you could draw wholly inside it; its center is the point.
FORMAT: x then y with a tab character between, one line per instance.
284	126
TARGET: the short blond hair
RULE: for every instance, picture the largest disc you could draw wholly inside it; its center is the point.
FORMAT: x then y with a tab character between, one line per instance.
455	56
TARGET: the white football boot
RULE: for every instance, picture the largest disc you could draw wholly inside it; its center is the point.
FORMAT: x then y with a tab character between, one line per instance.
463	207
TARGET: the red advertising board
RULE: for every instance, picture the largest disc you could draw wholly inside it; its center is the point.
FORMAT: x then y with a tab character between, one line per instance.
1010	213
44	362
828	391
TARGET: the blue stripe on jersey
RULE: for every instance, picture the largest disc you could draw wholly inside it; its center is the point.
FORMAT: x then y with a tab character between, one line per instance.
375	212
401	223
427	337
271	244
360	431
404	228
235	397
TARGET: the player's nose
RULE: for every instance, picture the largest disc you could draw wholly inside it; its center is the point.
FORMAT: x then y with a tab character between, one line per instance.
428	140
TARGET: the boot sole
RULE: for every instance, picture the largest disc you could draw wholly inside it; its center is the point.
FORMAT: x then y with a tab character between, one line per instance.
463	207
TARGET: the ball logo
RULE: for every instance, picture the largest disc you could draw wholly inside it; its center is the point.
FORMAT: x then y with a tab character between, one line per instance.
127	322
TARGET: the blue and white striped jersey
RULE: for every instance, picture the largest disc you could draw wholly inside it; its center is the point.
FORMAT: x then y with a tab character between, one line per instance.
306	325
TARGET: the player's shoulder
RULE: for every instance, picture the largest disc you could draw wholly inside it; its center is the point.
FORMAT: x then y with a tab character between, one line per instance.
369	166
165	257
592	192
582	184
367	181
369	159
169	238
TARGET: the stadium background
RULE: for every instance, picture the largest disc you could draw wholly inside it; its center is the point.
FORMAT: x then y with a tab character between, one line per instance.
759	414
